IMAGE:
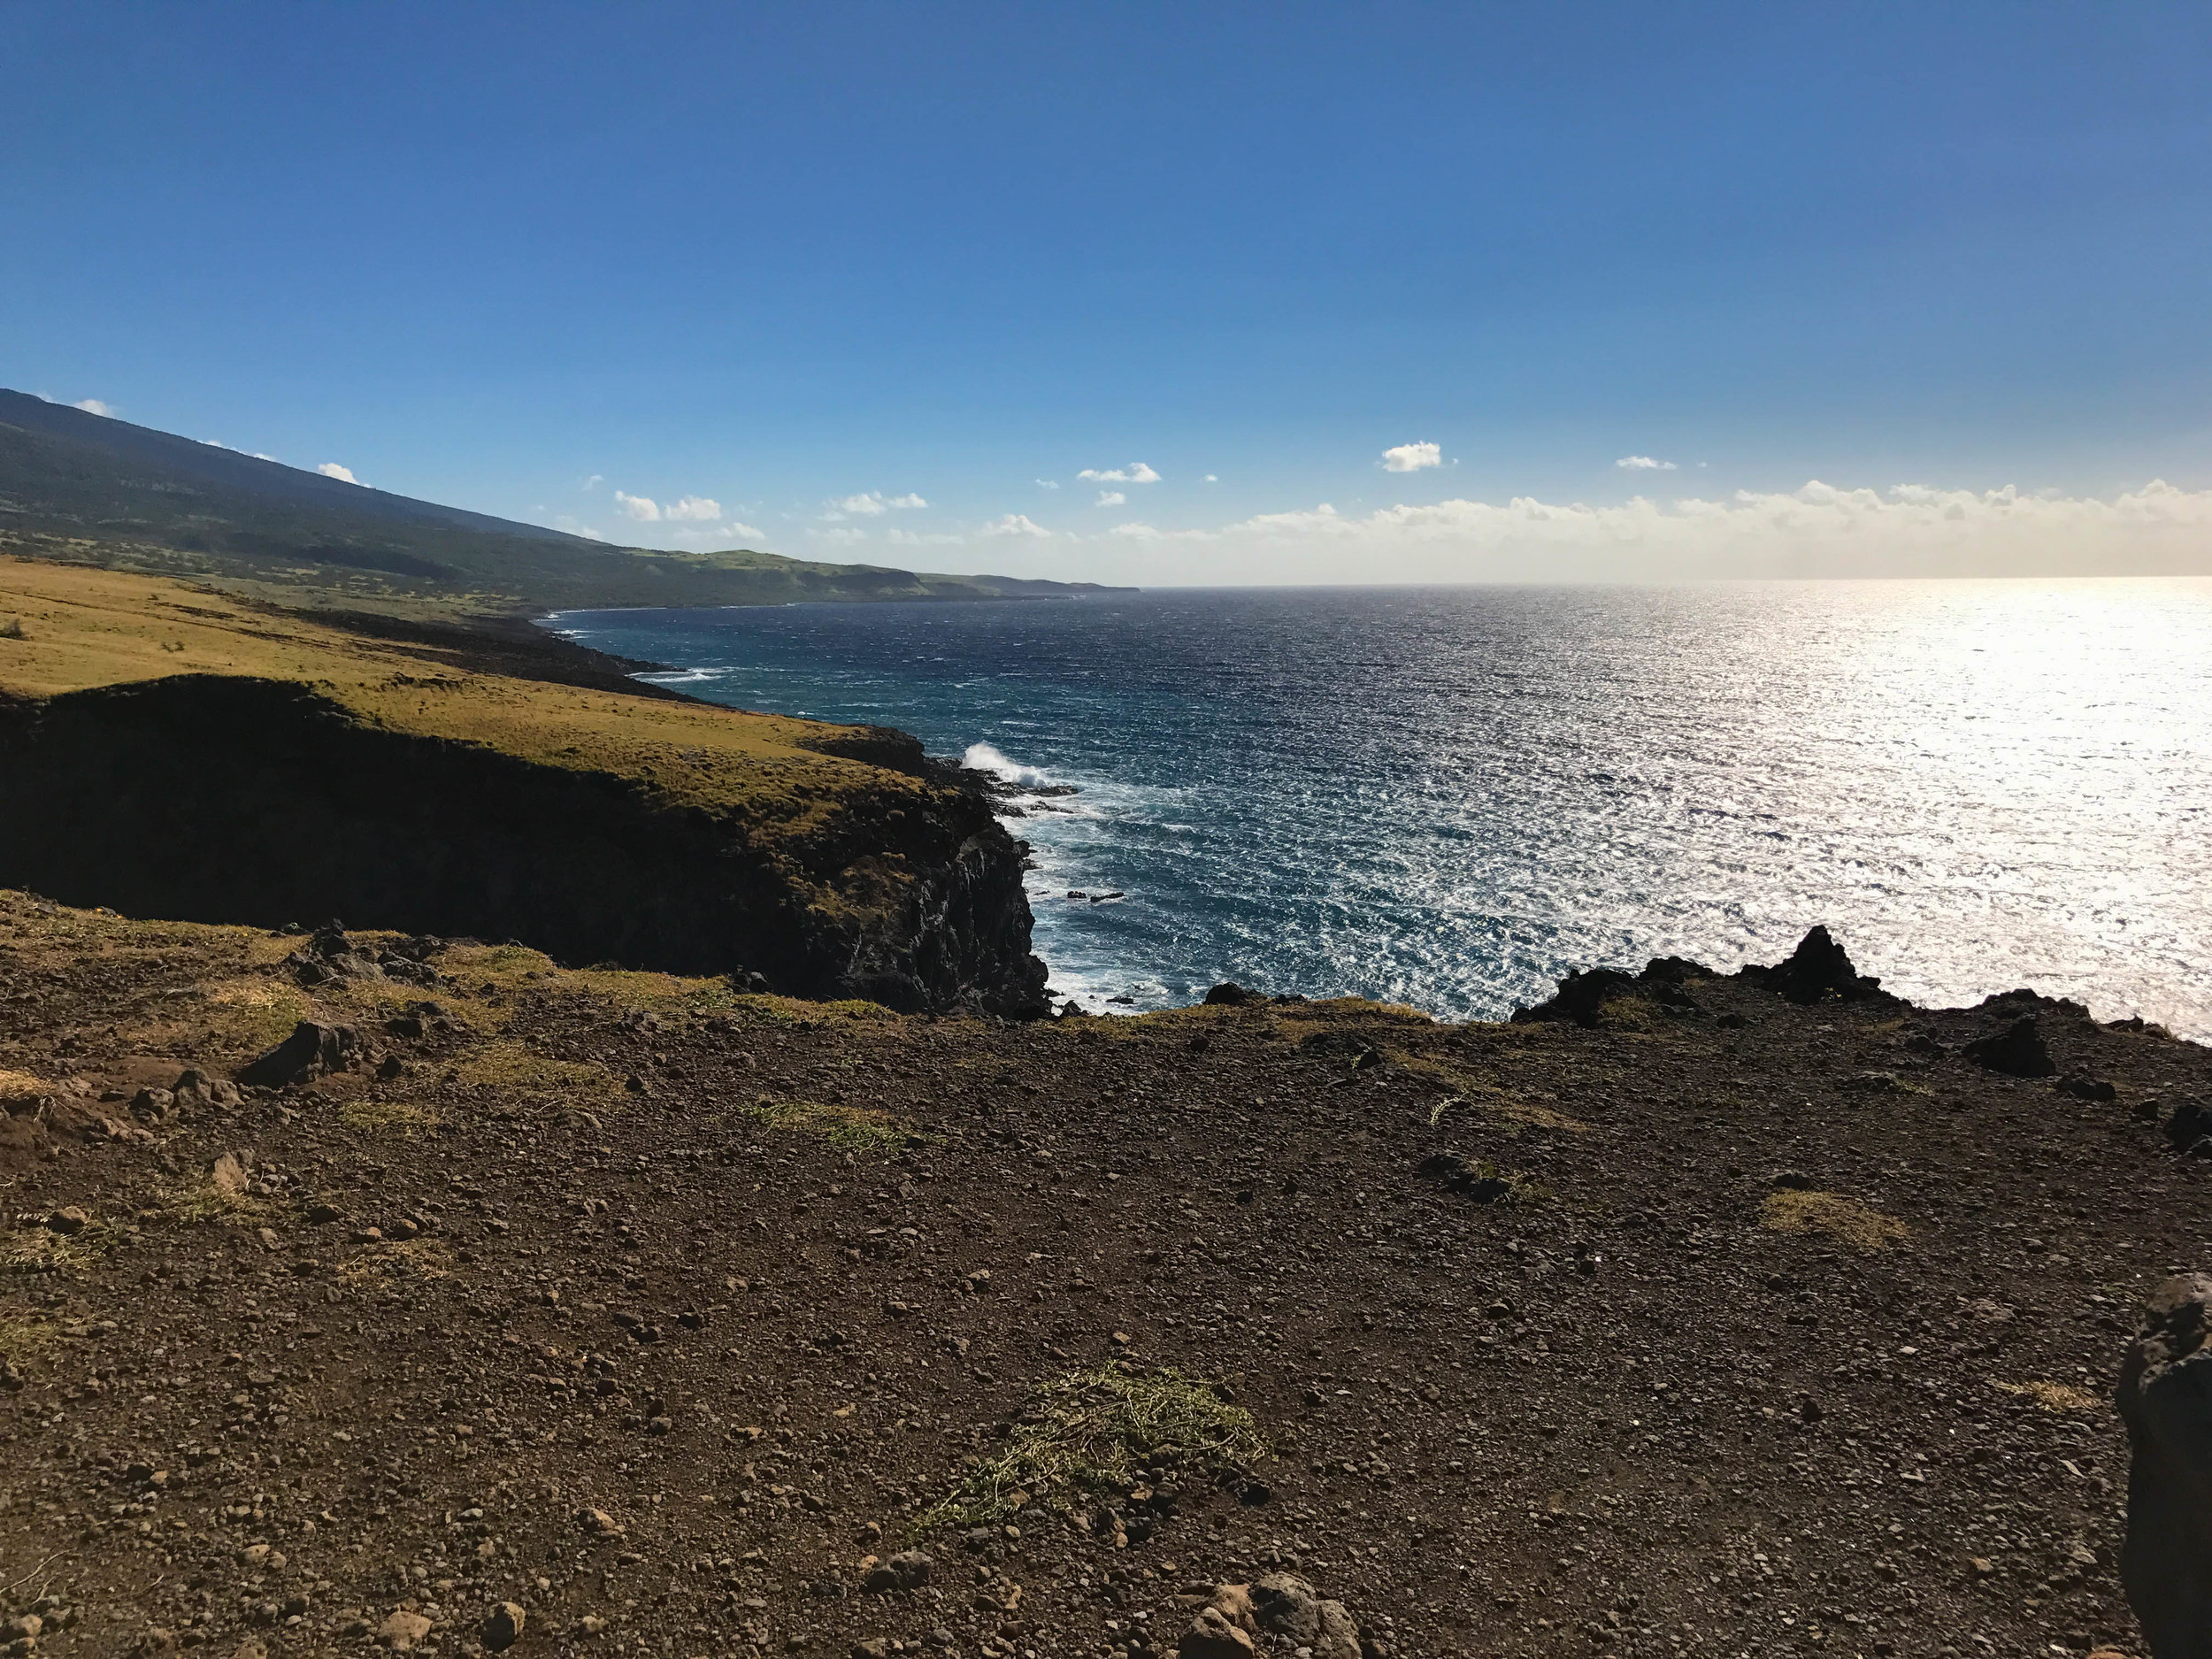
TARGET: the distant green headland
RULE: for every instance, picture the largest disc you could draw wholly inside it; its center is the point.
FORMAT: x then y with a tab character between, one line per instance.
90	489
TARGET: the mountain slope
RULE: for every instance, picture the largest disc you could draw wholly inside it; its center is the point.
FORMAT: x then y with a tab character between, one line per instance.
90	489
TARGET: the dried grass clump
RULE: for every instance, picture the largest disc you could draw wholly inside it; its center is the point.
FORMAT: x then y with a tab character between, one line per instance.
398	1259
24	1338
2055	1396
1857	1224
506	1064
407	1116
1091	1431
21	1085
855	1128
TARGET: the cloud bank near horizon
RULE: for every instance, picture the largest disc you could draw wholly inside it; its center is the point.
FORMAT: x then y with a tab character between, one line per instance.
1817	530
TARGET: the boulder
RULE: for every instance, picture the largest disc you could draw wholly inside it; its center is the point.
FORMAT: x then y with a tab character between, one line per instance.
1484	1183
1212	1636
908	1570
310	1052
195	1088
1229	994
1287	1606
403	1630
2015	1051
231	1174
503	1625
2165	1398
1579	997
2189	1128
1818	968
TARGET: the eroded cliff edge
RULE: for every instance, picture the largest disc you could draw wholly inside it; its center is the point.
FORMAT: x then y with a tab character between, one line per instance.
171	753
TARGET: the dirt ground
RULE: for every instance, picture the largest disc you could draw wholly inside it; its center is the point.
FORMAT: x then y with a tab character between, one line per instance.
654	1319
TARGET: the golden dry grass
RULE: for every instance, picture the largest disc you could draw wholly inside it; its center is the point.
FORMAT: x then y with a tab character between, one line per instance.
1472	1093
514	1068
84	628
401	1259
409	1117
23	1337
2055	1396
21	1085
1857	1224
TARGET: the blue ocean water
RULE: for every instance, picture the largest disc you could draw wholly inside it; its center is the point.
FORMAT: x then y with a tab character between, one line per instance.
1450	797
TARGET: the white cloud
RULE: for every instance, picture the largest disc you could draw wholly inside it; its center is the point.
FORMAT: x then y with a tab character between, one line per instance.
644	509
94	406
1111	498
1135	472
844	536
743	532
1019	524
1047	483
693	509
1136	530
1411	457
1213	478
916	538
331	469
595	481
1816	530
873	505
1643	464
576	526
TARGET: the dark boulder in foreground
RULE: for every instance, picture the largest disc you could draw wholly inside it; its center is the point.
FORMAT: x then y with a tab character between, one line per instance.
2165	1398
2018	1050
1229	994
310	1052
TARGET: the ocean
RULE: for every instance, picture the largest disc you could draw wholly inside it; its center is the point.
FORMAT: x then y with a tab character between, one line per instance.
1449	797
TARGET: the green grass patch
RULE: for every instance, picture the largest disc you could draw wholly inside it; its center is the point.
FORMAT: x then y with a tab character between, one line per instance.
406	1117
38	1250
855	1128
203	1202
24	1338
506	1064
1089	1432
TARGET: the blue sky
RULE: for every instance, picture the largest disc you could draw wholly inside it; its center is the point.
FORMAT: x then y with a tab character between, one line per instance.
772	259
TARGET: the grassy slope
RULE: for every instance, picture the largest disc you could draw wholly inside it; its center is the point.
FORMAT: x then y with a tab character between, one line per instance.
82	489
82	628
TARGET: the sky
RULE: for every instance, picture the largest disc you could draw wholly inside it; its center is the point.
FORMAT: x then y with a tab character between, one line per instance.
1157	293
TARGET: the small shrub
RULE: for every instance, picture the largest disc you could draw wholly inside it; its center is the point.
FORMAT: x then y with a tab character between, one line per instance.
1090	1432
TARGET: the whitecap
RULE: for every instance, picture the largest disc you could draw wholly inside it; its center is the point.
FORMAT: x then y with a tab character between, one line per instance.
983	757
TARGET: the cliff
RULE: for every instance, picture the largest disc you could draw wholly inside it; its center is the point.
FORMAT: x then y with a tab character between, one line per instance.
170	752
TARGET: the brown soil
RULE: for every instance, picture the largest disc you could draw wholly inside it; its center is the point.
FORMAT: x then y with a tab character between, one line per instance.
1723	1325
